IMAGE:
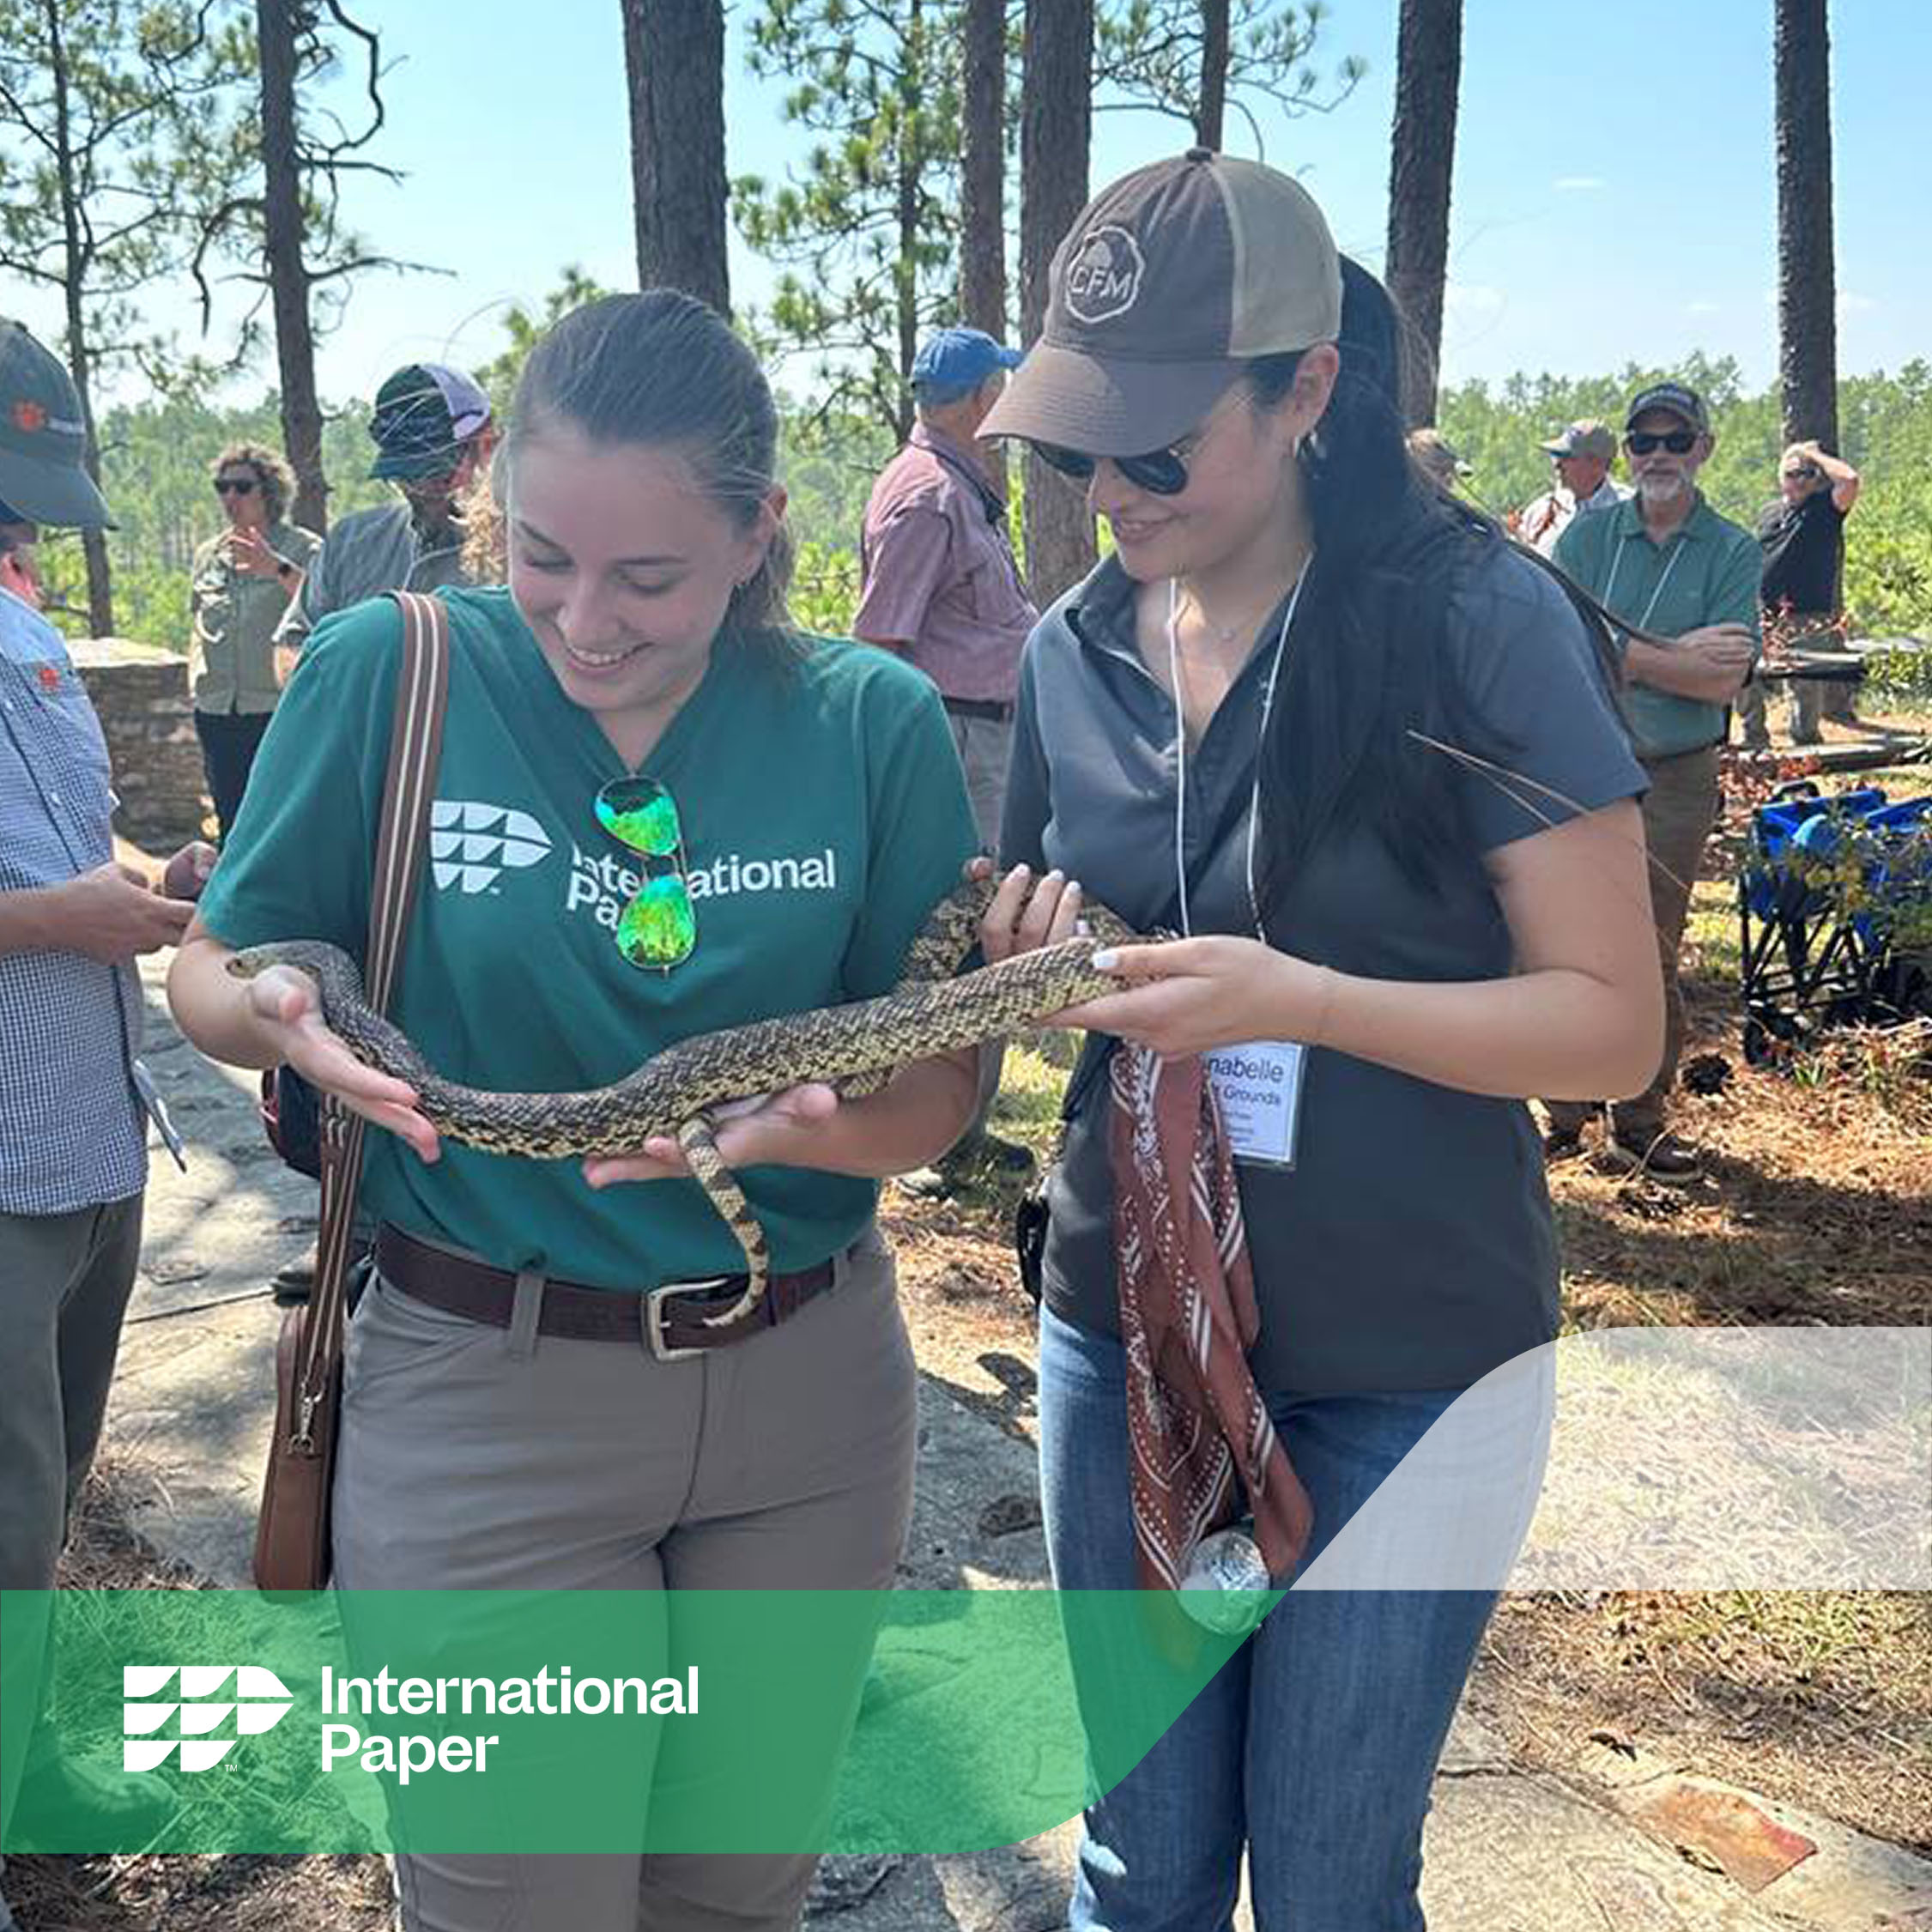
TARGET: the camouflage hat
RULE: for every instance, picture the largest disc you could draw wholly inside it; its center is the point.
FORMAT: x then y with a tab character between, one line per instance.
1169	281
43	439
425	413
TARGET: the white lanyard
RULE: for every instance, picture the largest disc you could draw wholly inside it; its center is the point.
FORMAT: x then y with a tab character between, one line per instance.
1616	563
1180	748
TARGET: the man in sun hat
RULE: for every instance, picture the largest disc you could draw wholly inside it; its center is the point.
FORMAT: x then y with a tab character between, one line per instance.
1666	562
940	588
76	1103
1581	455
432	433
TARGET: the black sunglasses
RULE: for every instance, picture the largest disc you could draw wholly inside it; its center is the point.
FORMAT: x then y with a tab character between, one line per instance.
235	486
1679	442
1159	472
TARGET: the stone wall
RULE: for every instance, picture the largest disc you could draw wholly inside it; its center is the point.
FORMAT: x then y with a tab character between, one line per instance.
145	710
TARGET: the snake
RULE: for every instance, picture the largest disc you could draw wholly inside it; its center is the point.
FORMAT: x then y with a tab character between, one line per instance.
933	1007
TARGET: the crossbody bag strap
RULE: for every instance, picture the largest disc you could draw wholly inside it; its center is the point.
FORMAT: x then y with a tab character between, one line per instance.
416	743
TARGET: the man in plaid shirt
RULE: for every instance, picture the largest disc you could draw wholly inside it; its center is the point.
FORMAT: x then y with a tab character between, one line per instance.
73	1114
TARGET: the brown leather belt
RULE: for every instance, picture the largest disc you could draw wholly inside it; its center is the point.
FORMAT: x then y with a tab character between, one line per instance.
670	1321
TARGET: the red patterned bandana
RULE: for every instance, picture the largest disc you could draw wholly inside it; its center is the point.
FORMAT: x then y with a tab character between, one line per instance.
1195	1420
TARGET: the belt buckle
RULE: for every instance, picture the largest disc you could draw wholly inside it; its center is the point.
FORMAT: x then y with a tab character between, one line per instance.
654	1300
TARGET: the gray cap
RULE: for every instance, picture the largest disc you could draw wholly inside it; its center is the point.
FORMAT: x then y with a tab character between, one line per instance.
1589	437
1673	396
43	441
1169	280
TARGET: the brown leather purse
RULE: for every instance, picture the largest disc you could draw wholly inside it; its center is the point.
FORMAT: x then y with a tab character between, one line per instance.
292	1540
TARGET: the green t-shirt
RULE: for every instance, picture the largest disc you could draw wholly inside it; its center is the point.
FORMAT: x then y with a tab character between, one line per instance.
823	814
1706	572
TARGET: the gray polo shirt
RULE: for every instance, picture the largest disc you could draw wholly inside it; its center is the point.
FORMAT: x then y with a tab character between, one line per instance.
368	555
1411	1246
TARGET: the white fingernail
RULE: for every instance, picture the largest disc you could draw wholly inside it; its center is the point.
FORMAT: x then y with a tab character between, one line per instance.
1105	959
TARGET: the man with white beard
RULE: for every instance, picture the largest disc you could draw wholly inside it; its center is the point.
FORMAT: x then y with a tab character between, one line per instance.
1685	580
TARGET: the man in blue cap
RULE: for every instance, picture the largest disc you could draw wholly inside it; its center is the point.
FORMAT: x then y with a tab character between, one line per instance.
939	585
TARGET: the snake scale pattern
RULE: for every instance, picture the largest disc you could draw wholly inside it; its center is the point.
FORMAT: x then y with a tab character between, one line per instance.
934	1008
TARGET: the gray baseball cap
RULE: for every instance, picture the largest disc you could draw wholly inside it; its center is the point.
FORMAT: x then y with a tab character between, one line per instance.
1169	280
1589	437
43	441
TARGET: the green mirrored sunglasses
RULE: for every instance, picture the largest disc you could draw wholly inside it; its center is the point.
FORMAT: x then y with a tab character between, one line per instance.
659	927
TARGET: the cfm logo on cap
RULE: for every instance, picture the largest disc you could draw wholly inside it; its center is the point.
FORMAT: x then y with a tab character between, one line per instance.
1104	278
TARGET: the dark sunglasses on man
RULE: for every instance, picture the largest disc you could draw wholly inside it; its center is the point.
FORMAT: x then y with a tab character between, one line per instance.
235	486
1679	442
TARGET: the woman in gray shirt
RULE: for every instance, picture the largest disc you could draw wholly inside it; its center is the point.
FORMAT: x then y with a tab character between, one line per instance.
1327	724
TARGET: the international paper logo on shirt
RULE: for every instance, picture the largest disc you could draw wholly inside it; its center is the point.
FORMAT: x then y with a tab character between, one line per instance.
472	843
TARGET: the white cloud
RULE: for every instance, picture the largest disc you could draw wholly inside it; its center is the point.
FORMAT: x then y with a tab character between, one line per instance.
1703	305
1578	183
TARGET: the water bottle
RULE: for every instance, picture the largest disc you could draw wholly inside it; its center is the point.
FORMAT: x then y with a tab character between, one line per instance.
1225	1575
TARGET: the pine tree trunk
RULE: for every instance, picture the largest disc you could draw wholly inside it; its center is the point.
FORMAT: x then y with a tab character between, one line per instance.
982	170
1807	278
289	275
93	543
1213	73
1428	69
1055	135
674	55
906	271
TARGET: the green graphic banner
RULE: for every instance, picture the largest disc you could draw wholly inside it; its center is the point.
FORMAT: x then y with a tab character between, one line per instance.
590	1721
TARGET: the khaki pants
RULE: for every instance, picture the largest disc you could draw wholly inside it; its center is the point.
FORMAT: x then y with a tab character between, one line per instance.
481	1458
1678	809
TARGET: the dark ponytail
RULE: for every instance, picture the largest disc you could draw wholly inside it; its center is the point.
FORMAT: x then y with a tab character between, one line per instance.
1370	671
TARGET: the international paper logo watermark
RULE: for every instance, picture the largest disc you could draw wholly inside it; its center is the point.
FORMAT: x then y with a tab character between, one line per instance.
256	1701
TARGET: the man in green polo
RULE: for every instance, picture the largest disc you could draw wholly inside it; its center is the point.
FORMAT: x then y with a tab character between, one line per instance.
1685	579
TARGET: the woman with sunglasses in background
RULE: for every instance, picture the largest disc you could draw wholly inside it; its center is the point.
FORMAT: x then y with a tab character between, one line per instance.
660	811
1319	716
243	580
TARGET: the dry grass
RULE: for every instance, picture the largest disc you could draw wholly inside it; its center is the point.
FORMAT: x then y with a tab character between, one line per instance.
179	1892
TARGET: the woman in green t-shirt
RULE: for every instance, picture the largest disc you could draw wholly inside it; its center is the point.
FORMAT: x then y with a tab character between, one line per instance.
512	1418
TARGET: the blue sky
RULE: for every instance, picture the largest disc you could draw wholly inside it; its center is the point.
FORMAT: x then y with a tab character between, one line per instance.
1615	197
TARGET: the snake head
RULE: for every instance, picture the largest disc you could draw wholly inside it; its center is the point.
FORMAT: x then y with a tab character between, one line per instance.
253	960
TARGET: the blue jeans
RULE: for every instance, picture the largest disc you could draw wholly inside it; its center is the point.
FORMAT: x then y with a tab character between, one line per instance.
1315	1748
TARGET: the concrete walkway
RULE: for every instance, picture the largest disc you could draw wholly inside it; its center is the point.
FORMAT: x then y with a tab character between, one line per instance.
1627	1845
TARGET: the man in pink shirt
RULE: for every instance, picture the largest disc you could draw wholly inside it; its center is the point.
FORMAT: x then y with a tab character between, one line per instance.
939	584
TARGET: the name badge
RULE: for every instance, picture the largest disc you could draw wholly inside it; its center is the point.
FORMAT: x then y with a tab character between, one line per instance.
1259	1085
